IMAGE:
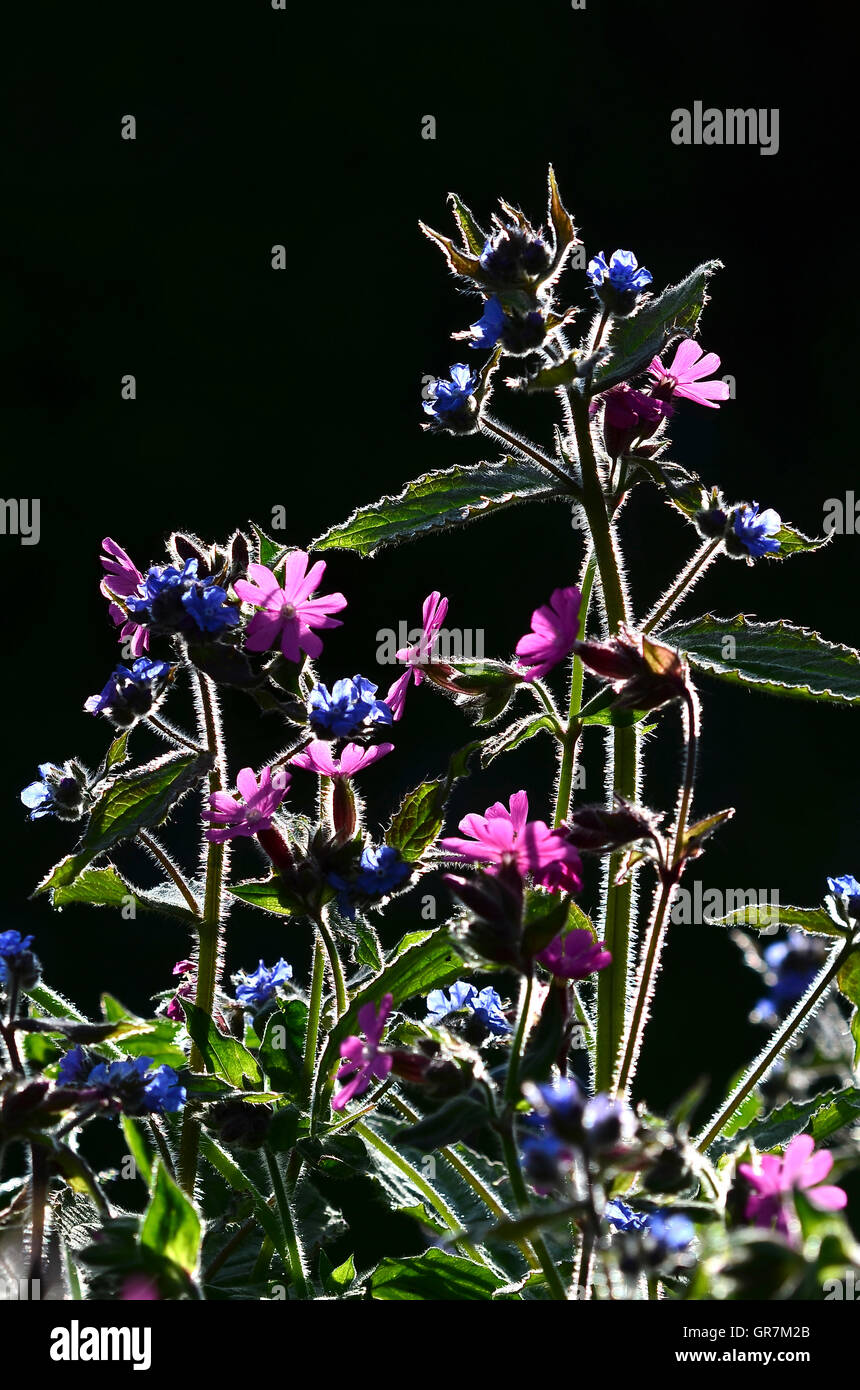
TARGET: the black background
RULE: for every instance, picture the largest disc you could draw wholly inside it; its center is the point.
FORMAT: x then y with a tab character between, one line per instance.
258	388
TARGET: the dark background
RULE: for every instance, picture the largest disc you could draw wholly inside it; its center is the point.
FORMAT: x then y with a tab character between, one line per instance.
258	388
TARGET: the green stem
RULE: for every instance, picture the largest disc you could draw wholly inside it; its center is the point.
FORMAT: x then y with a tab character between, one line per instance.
688	576
530	451
780	1040
334	963
419	1182
296	1266
512	1079
159	853
314	1010
574	727
669	880
209	930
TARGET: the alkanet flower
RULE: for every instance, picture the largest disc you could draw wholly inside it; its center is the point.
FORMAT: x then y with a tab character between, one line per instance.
363	1060
420	654
187	990
172	600
502	836
755	530
122	578
574	956
803	1169
684	377
130	1085
554	630
485	1004
61	791
452	403
349	707
254	812
289	614
16	958
255	990
486	332
623	271
318	757
130	694
381	870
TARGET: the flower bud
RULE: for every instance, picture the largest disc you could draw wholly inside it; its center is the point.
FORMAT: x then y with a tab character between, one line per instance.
239	1123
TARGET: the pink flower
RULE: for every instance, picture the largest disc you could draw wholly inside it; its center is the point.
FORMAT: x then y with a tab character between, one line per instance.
503	836
289	613
800	1168
554	630
318	757
186	990
121	580
684	377
574	956
433	616
362	1061
252	814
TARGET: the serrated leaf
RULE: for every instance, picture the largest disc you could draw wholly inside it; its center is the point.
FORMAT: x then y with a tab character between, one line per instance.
438	502
473	237
367	948
433	1276
635	339
517	733
848	981
106	888
128	803
766	916
825	1114
777	657
222	1055
270	895
269	552
171	1227
417	822
118	751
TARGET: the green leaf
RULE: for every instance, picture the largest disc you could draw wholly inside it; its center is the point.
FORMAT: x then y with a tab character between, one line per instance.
269	894
367	948
269	551
222	1055
344	1275
152	1037
821	1116
128	803
456	1119
473	237
848	981
282	1049
118	751
239	1180
517	733
138	1147
171	1226
106	888
634	340
794	542
767	916
433	1276
438	502
417	823
775	657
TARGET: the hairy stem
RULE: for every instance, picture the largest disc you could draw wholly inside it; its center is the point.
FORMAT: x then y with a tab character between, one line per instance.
286	1214
159	853
685	581
314	1010
334	963
492	427
577	671
780	1040
172	734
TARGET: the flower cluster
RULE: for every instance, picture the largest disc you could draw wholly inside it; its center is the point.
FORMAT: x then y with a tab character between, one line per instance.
484	1008
131	694
257	989
133	1086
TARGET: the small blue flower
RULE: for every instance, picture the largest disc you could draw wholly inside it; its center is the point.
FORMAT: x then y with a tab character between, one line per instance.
485	1004
163	1091
623	1218
347	708
546	1161
381	870
131	688
844	887
486	332
61	792
756	530
138	1090
452	397
561	1100
159	582
75	1068
623	272
177	599
12	945
209	607
257	989
672	1231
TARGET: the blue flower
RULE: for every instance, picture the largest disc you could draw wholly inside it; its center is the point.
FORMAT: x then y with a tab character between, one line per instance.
755	531
486	332
12	946
136	1089
257	989
347	708
75	1068
546	1161
452	398
623	272
177	600
484	1004
672	1231
794	962
381	870
623	1218
844	887
131	692
61	791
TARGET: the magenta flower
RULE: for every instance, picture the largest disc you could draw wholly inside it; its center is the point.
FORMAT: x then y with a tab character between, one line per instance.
433	616
120	580
800	1168
288	613
254	812
503	836
684	377
554	630
574	956
318	757
362	1061
186	990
